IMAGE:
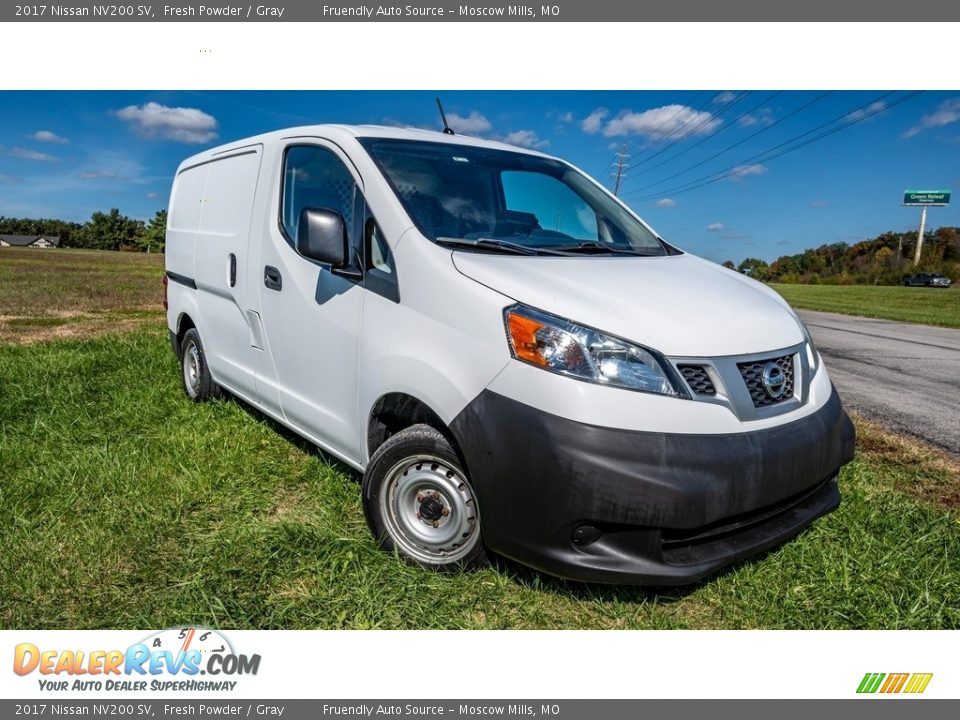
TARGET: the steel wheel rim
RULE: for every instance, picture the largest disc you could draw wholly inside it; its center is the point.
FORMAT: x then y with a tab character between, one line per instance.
421	484
191	368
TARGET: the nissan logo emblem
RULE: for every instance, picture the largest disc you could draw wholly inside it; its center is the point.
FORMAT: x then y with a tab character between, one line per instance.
774	380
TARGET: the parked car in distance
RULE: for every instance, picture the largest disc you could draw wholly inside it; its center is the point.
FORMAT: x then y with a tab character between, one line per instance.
513	359
927	279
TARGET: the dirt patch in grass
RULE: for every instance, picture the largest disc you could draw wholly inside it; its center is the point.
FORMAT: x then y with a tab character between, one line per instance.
287	505
927	473
69	325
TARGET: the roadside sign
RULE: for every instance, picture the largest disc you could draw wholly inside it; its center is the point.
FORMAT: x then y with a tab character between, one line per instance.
926	197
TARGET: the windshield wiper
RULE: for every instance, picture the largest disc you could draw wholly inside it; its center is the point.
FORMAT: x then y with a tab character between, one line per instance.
500	245
592	246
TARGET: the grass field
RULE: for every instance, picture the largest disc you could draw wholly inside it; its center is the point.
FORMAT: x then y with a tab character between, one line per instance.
929	306
46	294
125	505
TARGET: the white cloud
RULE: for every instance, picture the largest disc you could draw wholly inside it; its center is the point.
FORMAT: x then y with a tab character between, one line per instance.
666	203
715	227
152	195
97	175
725	98
819	203
764	117
472	124
741	171
525	138
871	109
48	137
947	113
6	178
661	122
594	121
566	117
32	155
186	125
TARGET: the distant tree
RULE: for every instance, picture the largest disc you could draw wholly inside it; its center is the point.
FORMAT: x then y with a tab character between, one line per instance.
729	265
111	231
883	260
26	226
754	267
154	235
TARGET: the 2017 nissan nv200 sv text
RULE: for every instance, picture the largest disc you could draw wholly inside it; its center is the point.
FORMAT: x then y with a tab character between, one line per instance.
512	358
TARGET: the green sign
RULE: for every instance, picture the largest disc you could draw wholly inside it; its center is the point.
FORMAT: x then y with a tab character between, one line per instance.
926	197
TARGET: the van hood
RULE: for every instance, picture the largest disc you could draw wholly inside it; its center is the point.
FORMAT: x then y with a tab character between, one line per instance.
680	305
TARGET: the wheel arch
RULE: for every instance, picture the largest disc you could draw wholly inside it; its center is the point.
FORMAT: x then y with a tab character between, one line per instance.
396	411
184	323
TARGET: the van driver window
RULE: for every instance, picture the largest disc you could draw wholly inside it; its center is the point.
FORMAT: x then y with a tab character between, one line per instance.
313	177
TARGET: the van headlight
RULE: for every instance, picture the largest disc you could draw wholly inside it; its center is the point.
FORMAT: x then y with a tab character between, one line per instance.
561	346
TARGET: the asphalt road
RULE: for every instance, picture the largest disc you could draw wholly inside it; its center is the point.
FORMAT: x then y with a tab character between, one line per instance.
905	377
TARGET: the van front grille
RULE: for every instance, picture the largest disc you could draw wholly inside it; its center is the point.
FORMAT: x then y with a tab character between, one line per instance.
698	379
752	373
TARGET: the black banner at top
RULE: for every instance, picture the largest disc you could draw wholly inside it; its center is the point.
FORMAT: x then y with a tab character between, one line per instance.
486	11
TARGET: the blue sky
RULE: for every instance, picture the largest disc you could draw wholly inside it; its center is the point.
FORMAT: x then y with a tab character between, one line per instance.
68	154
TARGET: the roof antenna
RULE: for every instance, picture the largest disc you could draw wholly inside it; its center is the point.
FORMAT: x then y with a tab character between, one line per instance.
447	130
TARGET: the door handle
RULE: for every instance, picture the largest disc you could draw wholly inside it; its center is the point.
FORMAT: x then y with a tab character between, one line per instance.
272	279
233	270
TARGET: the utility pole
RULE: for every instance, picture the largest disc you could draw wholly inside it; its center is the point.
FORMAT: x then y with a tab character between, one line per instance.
923	224
621	167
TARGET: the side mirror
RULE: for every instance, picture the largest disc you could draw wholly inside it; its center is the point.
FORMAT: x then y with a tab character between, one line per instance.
322	236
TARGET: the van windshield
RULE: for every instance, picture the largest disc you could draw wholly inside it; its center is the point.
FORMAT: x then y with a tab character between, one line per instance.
497	198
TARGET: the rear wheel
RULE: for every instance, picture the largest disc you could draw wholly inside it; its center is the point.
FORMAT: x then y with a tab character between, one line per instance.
419	501
198	384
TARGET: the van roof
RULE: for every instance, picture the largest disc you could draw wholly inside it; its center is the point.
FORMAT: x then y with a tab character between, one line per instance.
336	133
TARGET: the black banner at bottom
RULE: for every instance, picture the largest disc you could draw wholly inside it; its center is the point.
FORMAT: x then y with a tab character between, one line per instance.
872	707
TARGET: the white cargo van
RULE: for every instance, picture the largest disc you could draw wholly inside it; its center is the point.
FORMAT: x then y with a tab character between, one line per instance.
513	359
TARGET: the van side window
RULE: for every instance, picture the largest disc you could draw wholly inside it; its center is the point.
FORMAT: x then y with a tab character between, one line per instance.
378	252
313	177
380	274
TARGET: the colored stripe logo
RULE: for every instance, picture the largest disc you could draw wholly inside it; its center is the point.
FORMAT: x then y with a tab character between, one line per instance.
913	683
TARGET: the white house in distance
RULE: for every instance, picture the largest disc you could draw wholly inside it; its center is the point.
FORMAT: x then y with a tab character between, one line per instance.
36	241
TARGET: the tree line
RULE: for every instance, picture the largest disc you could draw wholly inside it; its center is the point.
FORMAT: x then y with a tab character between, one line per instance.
103	231
883	260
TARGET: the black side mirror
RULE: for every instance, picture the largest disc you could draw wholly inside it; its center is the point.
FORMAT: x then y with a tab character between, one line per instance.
322	236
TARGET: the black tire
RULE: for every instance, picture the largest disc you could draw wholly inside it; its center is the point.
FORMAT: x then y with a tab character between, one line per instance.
419	502
198	384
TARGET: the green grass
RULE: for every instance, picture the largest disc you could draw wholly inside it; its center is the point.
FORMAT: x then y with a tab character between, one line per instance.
66	293
125	505
929	306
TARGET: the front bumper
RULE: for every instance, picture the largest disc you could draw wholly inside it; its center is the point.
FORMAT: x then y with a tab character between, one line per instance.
606	505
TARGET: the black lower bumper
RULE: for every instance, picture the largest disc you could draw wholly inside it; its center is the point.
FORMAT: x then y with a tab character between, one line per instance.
606	505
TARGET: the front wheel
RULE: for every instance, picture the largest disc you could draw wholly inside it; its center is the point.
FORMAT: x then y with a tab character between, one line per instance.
418	501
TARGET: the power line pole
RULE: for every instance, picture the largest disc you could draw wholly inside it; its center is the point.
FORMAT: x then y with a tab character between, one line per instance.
621	167
923	224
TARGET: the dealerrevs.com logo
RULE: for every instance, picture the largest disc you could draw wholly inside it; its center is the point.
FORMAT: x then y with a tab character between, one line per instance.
179	659
910	683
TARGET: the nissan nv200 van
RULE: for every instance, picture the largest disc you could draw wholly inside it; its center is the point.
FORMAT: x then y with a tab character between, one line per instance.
514	361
